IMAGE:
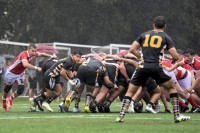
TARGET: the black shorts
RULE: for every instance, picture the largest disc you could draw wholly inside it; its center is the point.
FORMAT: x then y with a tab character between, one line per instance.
50	82
87	75
121	81
141	75
150	84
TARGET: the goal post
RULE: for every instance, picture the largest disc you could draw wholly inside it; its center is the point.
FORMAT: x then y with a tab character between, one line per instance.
120	47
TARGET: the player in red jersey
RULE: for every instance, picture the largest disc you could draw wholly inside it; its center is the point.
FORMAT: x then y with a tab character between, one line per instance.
184	81
194	61
16	72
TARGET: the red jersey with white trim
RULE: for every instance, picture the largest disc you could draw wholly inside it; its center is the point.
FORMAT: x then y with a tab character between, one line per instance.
17	67
195	64
188	67
179	72
166	63
185	64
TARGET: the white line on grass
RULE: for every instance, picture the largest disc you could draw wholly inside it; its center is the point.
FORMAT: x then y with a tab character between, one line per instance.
78	116
64	116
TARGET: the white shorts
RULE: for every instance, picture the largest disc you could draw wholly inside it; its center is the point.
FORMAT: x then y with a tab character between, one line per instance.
10	78
171	74
186	82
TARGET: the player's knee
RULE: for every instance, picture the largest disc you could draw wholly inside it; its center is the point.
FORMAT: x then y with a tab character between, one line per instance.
7	88
20	89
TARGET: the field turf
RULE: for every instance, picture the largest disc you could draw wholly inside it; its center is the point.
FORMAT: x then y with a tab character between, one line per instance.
19	120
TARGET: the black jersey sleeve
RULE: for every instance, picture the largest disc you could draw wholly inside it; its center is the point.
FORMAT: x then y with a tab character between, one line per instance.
169	42
139	40
75	68
68	64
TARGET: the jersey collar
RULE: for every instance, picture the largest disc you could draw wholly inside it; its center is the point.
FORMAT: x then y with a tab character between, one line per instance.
28	53
192	62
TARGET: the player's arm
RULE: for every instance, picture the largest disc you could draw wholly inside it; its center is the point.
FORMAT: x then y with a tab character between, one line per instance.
173	67
47	55
172	51
135	49
26	64
123	71
111	56
192	76
129	55
196	83
63	73
97	56
108	82
134	63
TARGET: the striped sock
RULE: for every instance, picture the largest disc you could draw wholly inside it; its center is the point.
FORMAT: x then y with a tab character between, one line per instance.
174	100
125	104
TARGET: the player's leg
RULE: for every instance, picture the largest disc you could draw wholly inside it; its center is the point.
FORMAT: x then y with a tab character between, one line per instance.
89	98
10	99
185	84
7	88
139	78
164	101
188	97
31	92
126	101
77	99
154	91
112	97
170	86
51	95
135	99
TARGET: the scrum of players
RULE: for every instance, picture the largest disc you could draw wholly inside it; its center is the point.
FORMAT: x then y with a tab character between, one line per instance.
106	77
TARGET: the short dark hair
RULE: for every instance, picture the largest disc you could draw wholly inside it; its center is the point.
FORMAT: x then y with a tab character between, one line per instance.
77	52
31	45
159	22
180	51
189	51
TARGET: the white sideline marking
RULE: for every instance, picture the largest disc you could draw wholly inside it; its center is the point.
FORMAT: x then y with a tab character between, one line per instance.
80	116
72	116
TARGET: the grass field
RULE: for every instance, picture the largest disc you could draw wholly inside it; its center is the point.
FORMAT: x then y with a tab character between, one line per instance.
19	120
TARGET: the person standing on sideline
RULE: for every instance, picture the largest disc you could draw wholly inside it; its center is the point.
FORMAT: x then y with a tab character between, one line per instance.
16	72
151	44
32	79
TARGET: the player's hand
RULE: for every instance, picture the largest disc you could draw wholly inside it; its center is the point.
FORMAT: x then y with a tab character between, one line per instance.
166	68
54	56
118	58
39	69
71	82
128	80
188	90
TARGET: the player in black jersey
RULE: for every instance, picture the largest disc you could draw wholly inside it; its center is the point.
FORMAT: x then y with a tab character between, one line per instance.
45	65
52	79
151	44
111	66
125	70
88	73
